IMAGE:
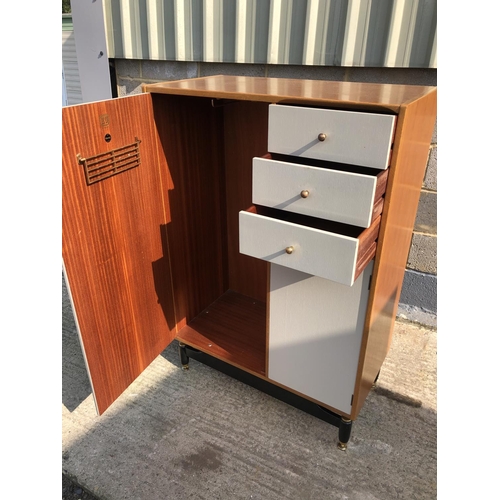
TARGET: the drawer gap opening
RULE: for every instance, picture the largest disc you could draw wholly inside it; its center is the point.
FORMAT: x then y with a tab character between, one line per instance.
331	165
307	220
351	106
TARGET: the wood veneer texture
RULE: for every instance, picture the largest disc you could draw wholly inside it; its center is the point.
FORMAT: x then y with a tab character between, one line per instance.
342	95
411	148
367	246
231	329
245	136
113	248
190	132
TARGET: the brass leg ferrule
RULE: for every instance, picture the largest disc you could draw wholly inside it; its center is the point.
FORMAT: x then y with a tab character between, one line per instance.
342	446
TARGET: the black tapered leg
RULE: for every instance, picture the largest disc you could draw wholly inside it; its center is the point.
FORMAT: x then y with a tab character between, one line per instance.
344	433
184	356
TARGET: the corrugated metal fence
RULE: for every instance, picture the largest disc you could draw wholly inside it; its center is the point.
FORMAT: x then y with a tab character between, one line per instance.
70	62
376	33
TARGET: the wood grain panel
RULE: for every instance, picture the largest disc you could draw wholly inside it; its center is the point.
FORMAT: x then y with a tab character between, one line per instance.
378	203
232	329
341	95
367	247
368	236
245	137
377	208
113	244
190	131
381	184
415	127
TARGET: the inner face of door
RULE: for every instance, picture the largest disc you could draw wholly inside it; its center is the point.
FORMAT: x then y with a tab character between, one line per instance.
147	251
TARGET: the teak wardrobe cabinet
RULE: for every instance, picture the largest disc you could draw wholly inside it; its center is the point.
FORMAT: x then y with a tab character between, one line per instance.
265	222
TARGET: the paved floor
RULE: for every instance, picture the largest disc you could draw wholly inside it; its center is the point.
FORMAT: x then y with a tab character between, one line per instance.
200	434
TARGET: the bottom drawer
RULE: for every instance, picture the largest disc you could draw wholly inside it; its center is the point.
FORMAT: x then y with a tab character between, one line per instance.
330	250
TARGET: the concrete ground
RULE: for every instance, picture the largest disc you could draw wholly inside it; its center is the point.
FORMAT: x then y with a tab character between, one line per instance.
199	434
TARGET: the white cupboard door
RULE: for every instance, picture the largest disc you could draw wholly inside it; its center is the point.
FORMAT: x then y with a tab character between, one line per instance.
315	332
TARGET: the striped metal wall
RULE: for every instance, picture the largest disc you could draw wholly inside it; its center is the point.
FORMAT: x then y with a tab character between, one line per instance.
70	63
374	33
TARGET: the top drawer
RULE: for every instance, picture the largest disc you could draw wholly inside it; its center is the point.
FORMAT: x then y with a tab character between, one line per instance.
326	134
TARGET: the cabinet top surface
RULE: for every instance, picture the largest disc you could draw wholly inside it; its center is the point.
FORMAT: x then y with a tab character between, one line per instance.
291	91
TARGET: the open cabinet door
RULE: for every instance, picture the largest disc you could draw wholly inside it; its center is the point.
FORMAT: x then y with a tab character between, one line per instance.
115	254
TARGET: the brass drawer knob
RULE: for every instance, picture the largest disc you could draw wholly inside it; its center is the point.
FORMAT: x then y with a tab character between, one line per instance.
321	137
289	250
304	193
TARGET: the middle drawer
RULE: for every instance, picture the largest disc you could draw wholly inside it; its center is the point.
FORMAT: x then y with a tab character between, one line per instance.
335	195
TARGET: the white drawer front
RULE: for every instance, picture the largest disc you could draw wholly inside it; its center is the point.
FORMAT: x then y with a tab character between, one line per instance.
319	192
321	253
351	137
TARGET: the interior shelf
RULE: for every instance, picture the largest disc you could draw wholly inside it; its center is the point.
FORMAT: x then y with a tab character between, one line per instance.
232	329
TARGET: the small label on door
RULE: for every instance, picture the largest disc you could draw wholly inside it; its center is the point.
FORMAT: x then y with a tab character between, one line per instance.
104	119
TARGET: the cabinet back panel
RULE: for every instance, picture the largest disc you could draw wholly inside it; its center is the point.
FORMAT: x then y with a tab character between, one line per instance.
190	131
245	136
